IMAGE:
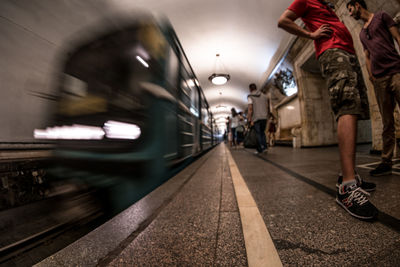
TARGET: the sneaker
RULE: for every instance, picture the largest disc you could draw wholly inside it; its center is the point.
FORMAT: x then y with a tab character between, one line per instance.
366	186
355	201
382	169
261	153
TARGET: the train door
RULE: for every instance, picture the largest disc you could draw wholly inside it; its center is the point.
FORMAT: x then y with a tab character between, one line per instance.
172	129
194	109
187	125
205	131
188	107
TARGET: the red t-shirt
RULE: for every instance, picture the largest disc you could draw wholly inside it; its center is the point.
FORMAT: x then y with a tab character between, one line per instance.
314	14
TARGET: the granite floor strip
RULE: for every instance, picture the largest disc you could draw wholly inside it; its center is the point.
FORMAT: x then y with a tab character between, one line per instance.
259	246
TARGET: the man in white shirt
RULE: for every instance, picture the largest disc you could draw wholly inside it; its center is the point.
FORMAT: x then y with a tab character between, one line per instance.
257	115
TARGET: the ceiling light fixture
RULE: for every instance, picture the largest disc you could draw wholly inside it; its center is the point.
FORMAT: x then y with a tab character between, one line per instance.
218	78
220	107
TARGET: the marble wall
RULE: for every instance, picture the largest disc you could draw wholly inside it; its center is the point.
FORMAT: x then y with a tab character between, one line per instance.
288	114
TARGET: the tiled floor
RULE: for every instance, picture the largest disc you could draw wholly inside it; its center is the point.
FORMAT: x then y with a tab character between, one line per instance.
194	220
294	190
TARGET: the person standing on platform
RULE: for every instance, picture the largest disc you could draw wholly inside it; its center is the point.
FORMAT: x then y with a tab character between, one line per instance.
241	128
271	130
383	65
234	125
339	66
258	110
228	128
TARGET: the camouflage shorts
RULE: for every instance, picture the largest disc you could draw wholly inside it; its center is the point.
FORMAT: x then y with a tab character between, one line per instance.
347	91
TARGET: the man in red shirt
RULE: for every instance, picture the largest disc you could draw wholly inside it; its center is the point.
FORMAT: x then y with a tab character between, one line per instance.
383	65
340	67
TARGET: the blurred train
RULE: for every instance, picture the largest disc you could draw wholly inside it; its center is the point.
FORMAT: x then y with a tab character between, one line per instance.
129	109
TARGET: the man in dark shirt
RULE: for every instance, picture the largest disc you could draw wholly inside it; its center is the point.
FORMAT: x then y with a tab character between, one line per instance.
383	65
335	52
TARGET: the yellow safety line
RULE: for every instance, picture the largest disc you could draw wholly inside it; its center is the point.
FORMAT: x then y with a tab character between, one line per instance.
259	246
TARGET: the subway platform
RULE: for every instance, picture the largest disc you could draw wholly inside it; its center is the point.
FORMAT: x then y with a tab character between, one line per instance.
233	208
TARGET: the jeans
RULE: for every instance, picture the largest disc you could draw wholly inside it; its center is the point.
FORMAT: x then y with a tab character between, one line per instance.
259	126
387	91
234	135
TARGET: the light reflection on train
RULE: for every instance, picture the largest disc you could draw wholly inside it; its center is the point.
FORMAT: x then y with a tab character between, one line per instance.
130	109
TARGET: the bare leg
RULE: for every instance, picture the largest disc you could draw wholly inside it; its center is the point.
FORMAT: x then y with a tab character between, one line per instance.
273	139
347	135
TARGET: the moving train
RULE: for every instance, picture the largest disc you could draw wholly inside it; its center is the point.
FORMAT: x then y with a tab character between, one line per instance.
129	109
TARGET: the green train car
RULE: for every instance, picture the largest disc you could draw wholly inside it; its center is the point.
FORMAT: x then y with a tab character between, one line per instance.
129	109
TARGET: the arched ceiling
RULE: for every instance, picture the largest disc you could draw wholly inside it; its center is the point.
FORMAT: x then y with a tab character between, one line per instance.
244	33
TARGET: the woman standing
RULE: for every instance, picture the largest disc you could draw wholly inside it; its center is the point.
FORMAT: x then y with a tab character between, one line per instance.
271	130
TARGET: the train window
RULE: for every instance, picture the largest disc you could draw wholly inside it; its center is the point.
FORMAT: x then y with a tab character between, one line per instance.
110	70
172	70
204	112
205	116
77	97
194	99
186	65
153	41
142	68
190	91
184	83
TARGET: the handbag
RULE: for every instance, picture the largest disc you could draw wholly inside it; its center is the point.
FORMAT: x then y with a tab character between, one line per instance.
250	138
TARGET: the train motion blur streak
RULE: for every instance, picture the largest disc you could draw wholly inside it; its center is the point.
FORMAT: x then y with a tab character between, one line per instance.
130	107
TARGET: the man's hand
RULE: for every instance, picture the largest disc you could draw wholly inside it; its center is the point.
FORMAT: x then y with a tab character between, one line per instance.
372	78
324	31
286	22
368	63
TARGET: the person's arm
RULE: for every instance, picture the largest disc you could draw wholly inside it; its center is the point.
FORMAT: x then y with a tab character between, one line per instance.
368	63
286	22
395	33
250	114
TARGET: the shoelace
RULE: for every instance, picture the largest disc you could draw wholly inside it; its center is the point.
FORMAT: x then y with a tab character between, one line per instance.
359	195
